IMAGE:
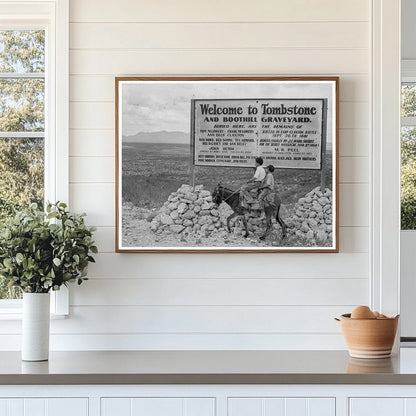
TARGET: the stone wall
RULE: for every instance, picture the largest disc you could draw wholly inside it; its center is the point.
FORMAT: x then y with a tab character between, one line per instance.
312	217
188	211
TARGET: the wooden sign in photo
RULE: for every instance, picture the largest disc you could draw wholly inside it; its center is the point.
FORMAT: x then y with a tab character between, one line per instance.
227	164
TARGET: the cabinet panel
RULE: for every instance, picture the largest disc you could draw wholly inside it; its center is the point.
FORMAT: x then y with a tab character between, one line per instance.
157	407
11	407
44	407
199	407
321	407
67	407
34	407
245	407
298	406
15	407
377	407
119	407
3	407
274	407
410	407
160	406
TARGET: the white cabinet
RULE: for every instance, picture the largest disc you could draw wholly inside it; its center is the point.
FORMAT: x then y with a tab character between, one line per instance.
44	407
281	406
159	406
208	400
381	406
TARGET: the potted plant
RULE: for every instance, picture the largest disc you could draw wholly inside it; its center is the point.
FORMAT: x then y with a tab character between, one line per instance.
40	252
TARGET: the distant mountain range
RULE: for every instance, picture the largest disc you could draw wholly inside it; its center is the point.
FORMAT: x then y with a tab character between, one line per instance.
177	137
158	137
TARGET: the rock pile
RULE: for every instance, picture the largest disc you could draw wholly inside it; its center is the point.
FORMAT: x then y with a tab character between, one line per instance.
190	212
187	211
312	217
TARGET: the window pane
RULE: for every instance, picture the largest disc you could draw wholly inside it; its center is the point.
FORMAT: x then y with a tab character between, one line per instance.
22	109
9	292
408	144
22	51
22	105
408	99
408	178
21	183
21	173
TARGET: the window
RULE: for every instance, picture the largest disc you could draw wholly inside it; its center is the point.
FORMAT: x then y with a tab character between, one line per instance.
22	125
408	151
33	113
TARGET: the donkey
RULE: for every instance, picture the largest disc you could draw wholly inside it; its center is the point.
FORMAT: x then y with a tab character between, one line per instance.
232	198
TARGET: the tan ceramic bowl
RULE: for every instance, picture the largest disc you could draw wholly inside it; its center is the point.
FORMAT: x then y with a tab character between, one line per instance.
369	338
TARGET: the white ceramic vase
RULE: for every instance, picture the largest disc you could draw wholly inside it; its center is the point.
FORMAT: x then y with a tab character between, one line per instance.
35	326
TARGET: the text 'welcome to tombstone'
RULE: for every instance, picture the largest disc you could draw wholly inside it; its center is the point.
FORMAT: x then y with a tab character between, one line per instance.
287	133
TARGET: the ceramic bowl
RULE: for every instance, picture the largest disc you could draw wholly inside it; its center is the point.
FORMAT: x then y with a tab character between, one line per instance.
369	338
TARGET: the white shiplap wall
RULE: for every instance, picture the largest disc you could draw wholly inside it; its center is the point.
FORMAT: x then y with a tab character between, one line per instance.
258	301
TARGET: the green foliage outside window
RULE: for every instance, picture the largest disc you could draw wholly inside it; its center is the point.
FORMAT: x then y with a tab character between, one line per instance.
408	197
408	160
21	110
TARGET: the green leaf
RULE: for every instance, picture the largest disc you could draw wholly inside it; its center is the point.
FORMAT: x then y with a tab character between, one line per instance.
38	253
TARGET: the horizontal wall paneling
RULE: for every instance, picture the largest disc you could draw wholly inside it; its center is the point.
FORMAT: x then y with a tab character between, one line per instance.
211	301
220	61
217	11
343	265
218	35
220	291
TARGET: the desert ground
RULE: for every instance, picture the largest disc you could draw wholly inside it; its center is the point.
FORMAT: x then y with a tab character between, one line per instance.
151	172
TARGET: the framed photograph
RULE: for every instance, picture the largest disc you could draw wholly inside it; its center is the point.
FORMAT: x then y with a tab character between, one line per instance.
227	164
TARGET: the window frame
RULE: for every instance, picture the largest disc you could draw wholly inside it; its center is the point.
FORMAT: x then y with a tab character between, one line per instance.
53	17
384	113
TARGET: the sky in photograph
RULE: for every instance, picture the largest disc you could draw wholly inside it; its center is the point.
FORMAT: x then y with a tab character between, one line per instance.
149	106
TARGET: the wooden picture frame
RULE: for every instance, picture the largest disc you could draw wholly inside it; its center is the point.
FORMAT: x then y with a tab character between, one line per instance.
185	146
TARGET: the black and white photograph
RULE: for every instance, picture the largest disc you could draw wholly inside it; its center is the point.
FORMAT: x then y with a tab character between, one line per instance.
239	164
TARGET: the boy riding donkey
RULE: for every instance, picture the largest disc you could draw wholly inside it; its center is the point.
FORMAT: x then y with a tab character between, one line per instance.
263	181
240	201
254	183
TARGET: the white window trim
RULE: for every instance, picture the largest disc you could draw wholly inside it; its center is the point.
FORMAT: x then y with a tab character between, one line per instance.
385	116
53	14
